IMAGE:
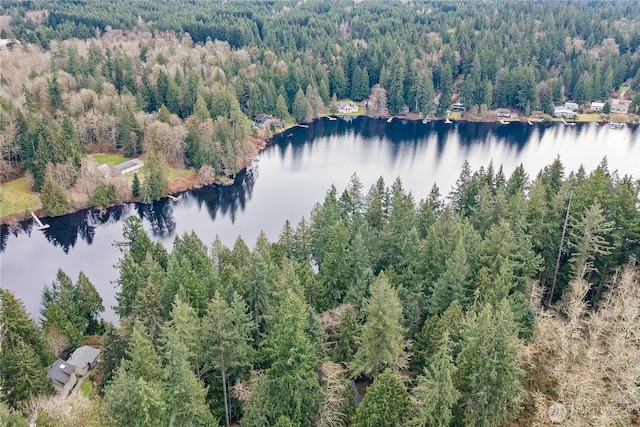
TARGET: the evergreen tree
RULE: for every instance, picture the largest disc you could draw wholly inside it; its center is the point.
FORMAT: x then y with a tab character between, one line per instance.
134	402
435	393
142	360
488	375
281	111
23	355
54	90
446	89
227	339
360	84
54	201
454	283
9	418
278	391
135	186
588	237
386	403
185	395
381	343
301	108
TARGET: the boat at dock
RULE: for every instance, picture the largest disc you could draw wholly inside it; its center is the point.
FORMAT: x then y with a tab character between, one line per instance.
389	119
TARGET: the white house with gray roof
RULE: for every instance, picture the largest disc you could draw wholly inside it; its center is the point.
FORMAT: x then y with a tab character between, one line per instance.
130	166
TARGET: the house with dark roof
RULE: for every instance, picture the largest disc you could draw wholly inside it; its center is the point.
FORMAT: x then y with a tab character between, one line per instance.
84	358
63	376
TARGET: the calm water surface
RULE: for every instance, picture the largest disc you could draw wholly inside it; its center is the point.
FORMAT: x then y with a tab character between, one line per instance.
293	174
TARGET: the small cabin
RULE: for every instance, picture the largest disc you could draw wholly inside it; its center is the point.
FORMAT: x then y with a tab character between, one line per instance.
536	114
503	112
458	106
261	118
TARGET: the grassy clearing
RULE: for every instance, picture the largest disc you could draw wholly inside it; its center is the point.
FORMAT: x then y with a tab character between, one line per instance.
86	387
179	173
110	159
17	197
593	117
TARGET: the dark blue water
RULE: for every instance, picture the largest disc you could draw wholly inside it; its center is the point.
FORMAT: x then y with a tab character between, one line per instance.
293	174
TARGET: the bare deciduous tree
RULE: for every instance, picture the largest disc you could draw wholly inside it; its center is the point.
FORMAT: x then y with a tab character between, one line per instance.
56	340
588	360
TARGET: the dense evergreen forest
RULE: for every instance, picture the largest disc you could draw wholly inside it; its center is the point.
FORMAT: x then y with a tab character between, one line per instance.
509	300
180	82
514	295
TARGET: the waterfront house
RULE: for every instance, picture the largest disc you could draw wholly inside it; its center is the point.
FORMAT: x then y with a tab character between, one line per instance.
564	113
130	166
537	114
63	376
84	358
347	107
261	118
597	106
503	112
573	106
620	106
458	106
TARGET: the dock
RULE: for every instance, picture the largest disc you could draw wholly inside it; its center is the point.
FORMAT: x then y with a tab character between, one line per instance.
172	198
389	119
302	126
331	118
41	226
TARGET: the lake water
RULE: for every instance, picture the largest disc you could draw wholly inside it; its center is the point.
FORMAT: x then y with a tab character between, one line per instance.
293	174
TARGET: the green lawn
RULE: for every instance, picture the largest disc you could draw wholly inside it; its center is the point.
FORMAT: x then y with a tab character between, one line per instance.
86	388
110	159
17	197
180	173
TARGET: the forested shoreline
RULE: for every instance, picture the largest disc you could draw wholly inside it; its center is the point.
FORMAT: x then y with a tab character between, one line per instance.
186	86
508	301
508	297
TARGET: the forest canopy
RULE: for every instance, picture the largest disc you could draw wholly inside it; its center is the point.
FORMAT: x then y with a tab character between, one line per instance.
509	300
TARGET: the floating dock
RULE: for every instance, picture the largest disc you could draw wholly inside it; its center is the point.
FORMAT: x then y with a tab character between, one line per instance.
172	198
41	226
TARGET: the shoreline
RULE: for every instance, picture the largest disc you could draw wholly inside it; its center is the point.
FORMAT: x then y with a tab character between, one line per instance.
178	185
